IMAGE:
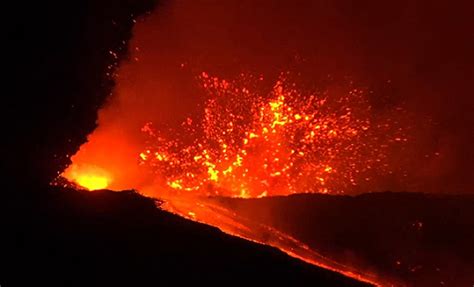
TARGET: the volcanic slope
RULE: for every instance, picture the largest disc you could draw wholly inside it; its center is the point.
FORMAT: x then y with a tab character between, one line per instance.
64	237
413	238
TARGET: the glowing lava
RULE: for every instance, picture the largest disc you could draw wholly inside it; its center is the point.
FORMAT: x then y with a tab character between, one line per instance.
88	176
249	143
209	211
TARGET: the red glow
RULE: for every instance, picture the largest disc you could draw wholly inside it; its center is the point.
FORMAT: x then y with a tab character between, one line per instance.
247	136
248	144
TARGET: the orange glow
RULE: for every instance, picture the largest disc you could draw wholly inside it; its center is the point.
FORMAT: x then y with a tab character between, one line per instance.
88	177
247	142
92	182
252	144
196	112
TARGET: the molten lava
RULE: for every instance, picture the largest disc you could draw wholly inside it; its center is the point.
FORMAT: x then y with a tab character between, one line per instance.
88	176
248	141
249	144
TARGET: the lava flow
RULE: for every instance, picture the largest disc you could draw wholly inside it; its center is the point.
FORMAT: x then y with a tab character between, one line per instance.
208	211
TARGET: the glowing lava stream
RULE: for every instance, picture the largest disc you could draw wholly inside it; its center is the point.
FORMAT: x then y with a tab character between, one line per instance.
204	210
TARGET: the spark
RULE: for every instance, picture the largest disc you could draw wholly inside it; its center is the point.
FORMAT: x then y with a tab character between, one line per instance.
252	144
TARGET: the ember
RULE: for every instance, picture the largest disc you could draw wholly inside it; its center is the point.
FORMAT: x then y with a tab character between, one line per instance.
248	144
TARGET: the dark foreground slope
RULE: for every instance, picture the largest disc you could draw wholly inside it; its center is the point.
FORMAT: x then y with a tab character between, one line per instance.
70	238
419	239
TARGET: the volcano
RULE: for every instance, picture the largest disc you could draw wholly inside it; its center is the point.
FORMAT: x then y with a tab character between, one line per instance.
235	142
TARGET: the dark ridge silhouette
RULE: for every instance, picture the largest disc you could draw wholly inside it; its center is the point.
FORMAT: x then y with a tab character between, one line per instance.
65	237
420	239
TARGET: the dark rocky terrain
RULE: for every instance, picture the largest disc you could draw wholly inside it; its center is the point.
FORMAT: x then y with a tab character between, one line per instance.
64	237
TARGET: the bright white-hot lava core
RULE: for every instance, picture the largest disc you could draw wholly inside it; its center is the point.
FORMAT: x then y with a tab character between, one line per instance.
89	177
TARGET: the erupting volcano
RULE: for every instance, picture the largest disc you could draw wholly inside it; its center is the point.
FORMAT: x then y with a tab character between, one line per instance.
249	144
245	144
322	131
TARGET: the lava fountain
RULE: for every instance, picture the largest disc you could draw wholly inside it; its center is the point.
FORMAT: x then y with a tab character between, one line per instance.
247	144
180	129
